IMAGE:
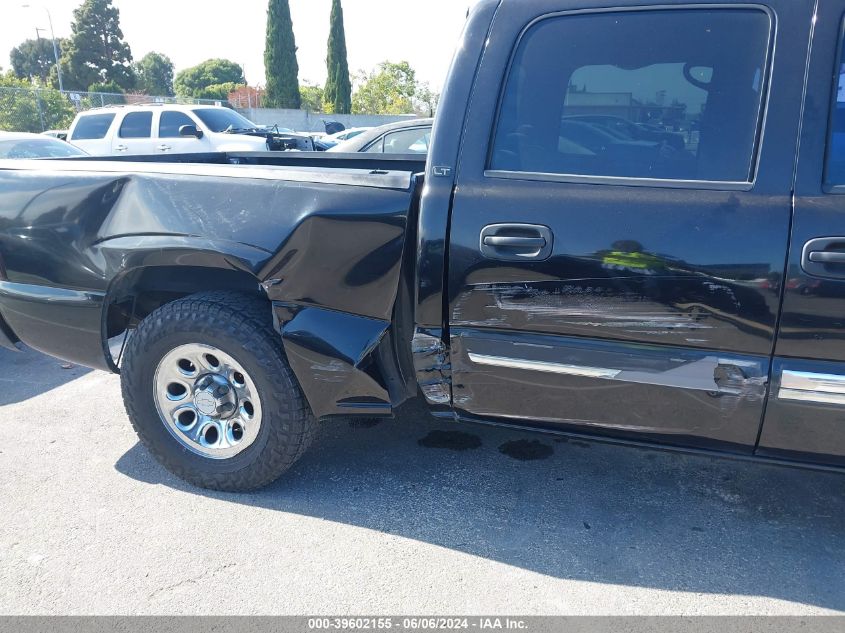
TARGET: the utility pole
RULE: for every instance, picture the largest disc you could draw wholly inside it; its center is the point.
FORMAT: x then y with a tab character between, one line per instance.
55	46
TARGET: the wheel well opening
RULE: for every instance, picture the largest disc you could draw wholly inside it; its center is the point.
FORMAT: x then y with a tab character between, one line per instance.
142	291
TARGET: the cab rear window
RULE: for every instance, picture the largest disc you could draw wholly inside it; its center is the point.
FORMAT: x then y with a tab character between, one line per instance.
92	127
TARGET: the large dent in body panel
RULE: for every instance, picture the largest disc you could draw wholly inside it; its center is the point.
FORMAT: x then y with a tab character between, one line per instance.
660	391
333	356
431	364
77	229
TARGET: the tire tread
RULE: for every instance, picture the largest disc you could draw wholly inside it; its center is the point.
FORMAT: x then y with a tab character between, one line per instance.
246	319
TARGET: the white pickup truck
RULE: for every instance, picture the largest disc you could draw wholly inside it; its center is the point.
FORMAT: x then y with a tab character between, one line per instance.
134	130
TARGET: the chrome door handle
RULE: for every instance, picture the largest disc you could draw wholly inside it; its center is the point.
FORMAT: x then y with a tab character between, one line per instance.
164	148
121	148
516	242
824	257
827	257
523	242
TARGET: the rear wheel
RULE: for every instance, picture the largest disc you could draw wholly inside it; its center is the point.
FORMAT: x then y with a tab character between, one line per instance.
211	395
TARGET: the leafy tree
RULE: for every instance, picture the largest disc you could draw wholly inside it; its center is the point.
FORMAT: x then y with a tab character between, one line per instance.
108	93
28	107
280	63
311	97
108	87
211	72
34	59
96	51
218	92
425	100
338	92
390	89
155	75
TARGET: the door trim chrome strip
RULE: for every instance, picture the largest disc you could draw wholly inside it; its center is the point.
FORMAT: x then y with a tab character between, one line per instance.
538	365
811	387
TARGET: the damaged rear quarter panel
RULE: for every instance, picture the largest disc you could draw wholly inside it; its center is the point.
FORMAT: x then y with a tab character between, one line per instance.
326	245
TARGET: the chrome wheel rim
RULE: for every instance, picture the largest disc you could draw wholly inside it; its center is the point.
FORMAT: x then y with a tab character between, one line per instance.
207	401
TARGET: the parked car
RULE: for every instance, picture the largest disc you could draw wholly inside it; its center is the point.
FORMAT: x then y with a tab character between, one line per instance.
328	141
631	130
176	129
511	277
59	134
403	137
25	145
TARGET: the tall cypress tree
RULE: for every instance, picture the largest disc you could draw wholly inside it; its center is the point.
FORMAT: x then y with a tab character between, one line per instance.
338	86
280	63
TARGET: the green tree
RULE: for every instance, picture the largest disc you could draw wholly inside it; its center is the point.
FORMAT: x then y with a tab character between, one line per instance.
311	97
34	59
218	92
107	93
425	100
390	89
280	65
28	107
155	75
212	72
96	51
338	92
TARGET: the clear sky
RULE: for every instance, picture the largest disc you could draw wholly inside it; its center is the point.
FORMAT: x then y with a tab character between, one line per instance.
422	32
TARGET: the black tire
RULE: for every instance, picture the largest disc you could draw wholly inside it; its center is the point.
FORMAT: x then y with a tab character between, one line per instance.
241	326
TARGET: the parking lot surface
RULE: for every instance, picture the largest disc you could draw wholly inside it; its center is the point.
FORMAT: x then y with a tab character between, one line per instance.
408	516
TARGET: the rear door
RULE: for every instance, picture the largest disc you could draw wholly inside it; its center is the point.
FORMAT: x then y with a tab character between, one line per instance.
626	283
134	136
805	418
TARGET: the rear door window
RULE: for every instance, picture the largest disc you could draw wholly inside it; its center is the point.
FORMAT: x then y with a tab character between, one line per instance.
137	125
665	94
92	126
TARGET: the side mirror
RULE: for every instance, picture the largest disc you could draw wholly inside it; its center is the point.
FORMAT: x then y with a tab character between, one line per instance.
190	130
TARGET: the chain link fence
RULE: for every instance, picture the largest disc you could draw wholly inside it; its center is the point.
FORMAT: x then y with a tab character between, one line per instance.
43	109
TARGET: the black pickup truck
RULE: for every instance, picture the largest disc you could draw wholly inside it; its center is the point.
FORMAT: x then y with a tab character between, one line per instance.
630	226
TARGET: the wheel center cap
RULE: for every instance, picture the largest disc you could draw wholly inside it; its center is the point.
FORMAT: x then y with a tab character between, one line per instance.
205	403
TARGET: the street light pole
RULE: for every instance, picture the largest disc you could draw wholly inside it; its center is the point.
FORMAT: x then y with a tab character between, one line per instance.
55	47
55	50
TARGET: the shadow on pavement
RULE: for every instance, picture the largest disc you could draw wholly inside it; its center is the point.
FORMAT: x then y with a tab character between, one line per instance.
26	374
569	509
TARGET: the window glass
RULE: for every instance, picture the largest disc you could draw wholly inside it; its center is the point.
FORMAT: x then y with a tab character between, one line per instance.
92	126
377	147
137	125
413	141
223	119
835	169
671	94
170	123
38	148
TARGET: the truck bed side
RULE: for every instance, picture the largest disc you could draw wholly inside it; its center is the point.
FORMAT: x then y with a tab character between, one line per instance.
88	248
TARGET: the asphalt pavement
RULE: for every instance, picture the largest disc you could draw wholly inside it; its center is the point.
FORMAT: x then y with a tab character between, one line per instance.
412	516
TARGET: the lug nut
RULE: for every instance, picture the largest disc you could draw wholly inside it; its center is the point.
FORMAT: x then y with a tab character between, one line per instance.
222	390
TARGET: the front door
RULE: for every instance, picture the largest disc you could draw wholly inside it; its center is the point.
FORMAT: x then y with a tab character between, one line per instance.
171	142
617	244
